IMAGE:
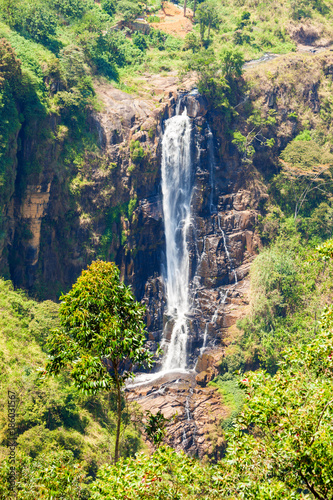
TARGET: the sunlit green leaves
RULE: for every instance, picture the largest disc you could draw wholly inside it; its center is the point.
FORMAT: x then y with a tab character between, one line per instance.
101	328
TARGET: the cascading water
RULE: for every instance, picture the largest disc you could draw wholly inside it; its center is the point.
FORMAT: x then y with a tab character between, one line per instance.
212	166
226	248
177	191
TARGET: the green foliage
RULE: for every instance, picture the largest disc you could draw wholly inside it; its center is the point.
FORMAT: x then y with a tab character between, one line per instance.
326	250
102	334
10	83
50	414
208	19
163	476
233	396
192	42
285	427
129	9
210	82
153	19
136	151
286	295
300	8
305	135
55	476
242	32
305	153
274	283
34	20
109	6
101	325
131	206
155	427
157	38
232	61
243	144
70	8
140	41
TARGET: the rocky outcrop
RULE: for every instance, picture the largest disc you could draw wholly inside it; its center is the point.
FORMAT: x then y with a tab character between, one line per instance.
195	413
108	204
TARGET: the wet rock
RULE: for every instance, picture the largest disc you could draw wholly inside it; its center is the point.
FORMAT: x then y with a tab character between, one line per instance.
197	413
204	377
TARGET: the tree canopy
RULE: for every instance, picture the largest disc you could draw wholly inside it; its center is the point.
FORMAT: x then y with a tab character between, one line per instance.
101	335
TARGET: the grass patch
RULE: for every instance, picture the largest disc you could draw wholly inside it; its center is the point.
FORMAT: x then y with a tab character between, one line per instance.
233	396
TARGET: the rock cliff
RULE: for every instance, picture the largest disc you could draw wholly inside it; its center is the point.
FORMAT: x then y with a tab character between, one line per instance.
108	204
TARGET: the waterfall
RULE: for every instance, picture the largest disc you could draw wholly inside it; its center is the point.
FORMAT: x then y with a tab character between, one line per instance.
177	191
212	167
226	248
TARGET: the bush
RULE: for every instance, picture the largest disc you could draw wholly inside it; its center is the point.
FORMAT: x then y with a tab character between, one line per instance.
57	475
130	10
304	153
140	41
153	19
109	6
37	22
157	39
70	8
136	151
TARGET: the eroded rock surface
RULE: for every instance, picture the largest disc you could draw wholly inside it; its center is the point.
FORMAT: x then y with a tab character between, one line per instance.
197	411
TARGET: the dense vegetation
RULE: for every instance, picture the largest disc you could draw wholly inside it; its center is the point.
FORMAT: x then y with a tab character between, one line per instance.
55	423
101	333
279	445
276	375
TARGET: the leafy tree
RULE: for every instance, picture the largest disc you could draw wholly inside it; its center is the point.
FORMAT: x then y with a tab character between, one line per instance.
70	8
244	20
211	83
155	427
285	432
109	6
192	42
208	19
102	334
37	22
130	10
232	63
10	65
140	41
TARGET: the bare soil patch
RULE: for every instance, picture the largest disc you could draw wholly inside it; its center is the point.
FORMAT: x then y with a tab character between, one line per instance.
172	20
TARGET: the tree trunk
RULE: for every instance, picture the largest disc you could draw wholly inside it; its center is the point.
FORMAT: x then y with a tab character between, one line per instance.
116	449
194	8
202	32
185	2
208	34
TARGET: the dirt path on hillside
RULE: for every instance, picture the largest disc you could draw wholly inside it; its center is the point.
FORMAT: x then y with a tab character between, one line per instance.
172	20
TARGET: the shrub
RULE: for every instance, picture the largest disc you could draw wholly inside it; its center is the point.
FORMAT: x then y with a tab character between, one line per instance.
153	19
109	6
305	153
140	41
130	10
37	22
70	8
136	151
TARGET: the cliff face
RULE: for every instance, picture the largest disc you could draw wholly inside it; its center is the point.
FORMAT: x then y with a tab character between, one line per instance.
108	204
65	209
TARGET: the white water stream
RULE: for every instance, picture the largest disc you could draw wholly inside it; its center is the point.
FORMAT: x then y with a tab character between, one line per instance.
177	192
